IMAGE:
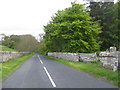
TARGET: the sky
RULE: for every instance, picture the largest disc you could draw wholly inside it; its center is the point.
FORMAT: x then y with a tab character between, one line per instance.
29	16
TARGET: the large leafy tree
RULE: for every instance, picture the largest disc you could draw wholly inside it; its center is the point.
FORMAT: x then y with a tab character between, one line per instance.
72	30
112	24
21	42
9	41
26	43
106	13
98	9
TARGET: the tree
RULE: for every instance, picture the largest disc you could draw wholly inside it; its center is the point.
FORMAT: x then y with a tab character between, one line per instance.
21	42
26	43
106	13
72	30
42	49
98	9
7	41
112	23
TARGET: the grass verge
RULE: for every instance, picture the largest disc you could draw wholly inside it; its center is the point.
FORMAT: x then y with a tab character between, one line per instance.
10	66
0	72
93	69
4	48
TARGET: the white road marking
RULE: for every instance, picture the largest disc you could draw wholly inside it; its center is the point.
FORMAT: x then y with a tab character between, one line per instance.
51	80
40	60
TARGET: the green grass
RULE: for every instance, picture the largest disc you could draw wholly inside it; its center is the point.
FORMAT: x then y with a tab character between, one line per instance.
4	48
10	66
0	72
92	69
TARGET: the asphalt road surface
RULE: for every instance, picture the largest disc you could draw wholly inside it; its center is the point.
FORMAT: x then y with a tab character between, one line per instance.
41	72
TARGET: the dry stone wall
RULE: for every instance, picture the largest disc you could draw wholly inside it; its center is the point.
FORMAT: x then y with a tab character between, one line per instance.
8	55
65	56
109	59
74	56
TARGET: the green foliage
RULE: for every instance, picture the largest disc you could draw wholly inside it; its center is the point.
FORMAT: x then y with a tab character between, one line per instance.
42	49
4	48
10	41
12	65
26	43
106	13
112	25
21	42
72	30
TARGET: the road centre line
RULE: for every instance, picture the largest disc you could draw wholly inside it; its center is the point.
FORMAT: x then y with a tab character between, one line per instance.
51	80
40	60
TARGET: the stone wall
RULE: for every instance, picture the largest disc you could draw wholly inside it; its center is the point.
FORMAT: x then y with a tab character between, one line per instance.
65	56
74	56
110	58
8	55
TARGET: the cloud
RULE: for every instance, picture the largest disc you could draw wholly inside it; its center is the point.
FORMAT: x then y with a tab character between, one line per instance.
28	16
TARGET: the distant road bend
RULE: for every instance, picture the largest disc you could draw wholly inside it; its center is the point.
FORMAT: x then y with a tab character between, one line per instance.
41	72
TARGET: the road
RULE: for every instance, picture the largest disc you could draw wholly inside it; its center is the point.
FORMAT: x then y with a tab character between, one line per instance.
41	72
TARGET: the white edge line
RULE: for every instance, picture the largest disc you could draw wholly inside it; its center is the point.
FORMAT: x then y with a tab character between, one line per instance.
51	80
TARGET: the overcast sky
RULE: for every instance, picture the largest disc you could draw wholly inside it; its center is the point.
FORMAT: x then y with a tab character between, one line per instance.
28	16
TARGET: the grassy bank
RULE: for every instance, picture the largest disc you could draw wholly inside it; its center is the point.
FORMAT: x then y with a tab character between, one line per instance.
4	48
10	66
93	69
0	72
